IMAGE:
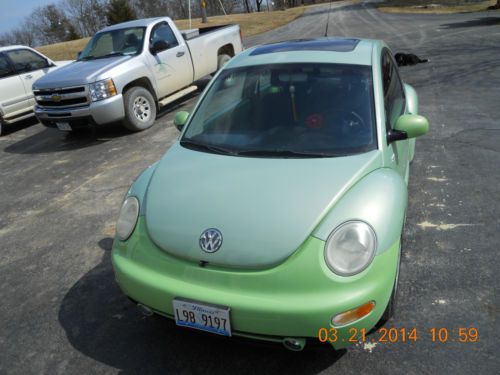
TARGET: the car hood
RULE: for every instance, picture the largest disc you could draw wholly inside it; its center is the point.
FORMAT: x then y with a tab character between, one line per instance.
265	208
78	73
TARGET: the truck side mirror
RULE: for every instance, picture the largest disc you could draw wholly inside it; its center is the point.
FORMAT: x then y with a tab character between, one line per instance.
408	126
159	46
181	119
78	54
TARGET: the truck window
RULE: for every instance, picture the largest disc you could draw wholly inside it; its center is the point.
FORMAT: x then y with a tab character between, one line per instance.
5	68
25	60
126	41
163	31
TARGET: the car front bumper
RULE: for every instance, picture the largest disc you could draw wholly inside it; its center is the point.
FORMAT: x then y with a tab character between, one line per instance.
97	113
293	299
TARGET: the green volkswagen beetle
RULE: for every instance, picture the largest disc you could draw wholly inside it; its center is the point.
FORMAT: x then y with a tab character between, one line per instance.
278	213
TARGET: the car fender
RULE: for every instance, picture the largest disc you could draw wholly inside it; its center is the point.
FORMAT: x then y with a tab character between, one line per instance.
139	187
379	199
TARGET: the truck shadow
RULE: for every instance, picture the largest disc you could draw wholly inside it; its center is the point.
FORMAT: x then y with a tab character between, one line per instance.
103	324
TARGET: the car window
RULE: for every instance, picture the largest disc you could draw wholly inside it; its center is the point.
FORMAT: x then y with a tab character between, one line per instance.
394	98
25	60
163	31
127	41
5	67
313	109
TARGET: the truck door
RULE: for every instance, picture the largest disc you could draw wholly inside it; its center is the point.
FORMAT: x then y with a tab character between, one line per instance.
14	99
30	66
171	67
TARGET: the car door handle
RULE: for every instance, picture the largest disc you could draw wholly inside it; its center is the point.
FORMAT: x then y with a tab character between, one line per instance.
180	54
29	76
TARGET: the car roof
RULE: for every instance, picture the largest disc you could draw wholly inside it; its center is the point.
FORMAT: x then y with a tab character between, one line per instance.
144	22
9	48
320	50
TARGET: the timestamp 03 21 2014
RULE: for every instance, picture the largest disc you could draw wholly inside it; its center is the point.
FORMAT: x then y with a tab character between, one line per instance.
403	335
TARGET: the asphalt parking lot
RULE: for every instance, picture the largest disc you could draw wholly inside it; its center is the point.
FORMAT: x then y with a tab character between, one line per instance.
62	312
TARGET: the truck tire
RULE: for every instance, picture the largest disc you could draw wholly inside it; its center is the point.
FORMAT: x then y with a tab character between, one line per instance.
1	125
222	60
140	109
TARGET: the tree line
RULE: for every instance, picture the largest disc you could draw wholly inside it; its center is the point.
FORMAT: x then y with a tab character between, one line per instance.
66	20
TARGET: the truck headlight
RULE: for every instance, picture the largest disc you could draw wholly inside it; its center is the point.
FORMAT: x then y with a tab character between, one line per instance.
128	218
350	248
102	89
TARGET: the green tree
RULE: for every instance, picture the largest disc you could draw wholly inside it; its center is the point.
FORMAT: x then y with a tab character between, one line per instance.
119	11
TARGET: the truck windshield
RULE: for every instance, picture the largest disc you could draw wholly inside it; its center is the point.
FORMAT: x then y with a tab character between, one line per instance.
128	41
286	110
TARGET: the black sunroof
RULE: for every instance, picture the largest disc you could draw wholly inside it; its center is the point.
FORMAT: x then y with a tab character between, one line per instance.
323	44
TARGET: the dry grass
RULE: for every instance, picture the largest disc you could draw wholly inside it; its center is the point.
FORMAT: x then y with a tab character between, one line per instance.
433	6
250	23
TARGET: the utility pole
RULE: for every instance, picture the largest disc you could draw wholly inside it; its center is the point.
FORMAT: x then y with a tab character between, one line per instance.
203	6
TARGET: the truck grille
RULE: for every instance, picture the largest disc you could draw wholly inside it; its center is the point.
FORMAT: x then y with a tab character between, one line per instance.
62	97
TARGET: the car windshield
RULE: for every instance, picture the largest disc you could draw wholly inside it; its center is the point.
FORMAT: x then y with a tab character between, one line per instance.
286	110
119	42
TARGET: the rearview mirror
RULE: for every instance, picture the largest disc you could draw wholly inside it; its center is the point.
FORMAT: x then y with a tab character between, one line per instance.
159	46
181	119
408	126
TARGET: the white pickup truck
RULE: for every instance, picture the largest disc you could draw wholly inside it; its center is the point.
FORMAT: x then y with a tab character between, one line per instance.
20	66
129	70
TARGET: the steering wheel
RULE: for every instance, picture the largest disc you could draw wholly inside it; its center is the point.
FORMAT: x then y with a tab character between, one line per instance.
352	124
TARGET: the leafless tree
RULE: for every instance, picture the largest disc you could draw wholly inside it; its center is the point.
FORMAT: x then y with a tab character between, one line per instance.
152	8
88	16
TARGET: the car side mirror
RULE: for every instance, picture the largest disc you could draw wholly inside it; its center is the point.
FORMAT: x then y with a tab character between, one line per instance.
408	126
159	46
181	119
78	54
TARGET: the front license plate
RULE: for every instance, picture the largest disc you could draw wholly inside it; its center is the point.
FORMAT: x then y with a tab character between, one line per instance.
63	126
202	316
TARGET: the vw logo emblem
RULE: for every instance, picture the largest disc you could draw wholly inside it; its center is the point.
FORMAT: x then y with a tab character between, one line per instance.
211	240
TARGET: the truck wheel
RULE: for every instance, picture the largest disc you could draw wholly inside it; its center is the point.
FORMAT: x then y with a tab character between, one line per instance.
140	109
222	60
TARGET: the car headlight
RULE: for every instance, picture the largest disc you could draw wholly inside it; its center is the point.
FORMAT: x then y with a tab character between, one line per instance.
128	218
102	89
350	248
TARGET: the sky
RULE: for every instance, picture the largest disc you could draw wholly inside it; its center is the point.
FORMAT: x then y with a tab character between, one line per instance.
13	11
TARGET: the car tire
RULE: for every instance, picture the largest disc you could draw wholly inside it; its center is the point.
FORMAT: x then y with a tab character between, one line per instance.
140	109
390	310
1	126
222	60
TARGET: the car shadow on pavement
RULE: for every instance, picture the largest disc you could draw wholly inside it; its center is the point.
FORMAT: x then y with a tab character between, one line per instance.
103	324
485	21
18	126
52	140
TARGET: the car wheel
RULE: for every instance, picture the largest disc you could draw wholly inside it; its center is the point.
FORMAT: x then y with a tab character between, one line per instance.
1	126
140	109
222	60
390	310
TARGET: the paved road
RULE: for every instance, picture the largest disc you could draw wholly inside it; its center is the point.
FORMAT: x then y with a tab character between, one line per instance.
61	311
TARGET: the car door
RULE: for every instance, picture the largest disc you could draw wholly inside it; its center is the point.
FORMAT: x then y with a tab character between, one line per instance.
171	67
30	66
14	99
395	106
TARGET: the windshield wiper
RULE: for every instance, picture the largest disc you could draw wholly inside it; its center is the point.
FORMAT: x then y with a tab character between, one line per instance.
203	146
91	57
286	153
